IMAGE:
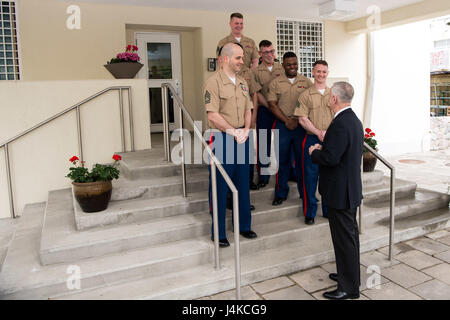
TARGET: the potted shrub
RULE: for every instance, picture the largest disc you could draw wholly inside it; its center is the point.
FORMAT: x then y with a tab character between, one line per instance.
92	189
126	64
369	160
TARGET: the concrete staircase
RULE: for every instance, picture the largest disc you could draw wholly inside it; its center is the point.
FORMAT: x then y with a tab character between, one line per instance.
158	246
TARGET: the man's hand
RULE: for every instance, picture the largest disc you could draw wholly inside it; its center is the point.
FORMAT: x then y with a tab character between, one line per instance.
314	147
321	135
291	123
241	135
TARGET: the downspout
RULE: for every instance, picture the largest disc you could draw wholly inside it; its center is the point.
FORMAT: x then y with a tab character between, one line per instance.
367	111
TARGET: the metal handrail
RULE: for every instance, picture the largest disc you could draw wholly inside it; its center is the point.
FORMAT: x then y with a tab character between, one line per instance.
215	163
392	198
80	142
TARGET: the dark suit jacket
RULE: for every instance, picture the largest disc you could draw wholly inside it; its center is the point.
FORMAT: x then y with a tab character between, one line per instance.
340	162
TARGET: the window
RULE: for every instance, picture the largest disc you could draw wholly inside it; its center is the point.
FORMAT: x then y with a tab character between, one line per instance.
304	39
9	53
442	44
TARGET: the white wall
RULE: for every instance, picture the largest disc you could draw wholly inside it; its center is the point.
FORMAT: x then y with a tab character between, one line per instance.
401	106
40	160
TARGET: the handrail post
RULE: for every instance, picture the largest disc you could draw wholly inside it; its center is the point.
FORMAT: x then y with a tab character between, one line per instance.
130	112
391	212
8	177
165	109
80	136
236	244
122	125
183	159
215	215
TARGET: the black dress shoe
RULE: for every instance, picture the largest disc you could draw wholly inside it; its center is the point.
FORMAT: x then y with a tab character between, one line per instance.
223	243
309	220
252	207
277	201
253	186
340	295
333	276
248	234
262	184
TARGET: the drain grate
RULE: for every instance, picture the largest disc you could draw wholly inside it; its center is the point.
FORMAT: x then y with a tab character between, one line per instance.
411	161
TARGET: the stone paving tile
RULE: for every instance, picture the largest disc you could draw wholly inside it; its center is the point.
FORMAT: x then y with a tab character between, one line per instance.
378	259
396	249
432	290
329	267
318	295
370	279
291	293
405	275
445	240
247	293
444	256
417	259
440	272
313	279
390	291
437	234
427	245
272	284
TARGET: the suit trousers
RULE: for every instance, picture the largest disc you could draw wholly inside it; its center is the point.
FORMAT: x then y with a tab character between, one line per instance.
264	123
345	236
235	160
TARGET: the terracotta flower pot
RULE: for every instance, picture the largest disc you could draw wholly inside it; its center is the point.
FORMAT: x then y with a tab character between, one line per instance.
369	162
93	196
124	70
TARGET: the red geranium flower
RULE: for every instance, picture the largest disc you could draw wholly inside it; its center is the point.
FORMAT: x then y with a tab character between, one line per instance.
366	136
73	159
116	157
135	48
372	134
368	130
129	47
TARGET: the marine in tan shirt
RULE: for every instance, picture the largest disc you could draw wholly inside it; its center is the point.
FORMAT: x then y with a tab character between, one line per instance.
315	116
248	44
228	105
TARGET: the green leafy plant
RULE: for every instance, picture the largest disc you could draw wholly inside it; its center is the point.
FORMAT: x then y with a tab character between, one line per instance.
100	172
369	139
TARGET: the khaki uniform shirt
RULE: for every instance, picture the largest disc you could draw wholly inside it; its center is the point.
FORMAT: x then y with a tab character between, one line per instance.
229	100
249	46
262	77
286	94
315	106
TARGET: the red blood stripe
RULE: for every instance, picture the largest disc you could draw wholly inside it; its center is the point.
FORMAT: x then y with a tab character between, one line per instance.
303	171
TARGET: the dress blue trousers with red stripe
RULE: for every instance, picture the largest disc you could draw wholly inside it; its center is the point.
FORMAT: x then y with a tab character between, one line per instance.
237	168
264	123
287	140
310	179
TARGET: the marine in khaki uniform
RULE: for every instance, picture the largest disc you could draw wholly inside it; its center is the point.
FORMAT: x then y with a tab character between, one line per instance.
228	106
283	98
315	116
267	70
248	45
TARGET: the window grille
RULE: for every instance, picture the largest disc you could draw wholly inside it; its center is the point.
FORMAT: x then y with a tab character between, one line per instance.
304	39
442	44
9	53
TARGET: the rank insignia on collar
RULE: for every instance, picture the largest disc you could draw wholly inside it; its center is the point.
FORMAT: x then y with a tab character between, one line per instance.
302	87
207	97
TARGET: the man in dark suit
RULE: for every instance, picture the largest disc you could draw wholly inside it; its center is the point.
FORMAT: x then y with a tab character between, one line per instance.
340	186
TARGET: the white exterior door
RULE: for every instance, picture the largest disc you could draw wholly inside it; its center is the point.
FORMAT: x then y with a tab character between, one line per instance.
161	55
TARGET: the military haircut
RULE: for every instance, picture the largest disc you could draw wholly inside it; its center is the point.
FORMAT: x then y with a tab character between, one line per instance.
289	54
265	43
322	62
227	49
236	15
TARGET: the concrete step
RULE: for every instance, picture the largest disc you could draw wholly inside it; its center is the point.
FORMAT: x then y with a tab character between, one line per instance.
265	264
141	209
61	242
378	212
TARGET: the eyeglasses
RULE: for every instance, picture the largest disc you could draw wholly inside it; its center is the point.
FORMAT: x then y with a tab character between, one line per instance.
268	52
